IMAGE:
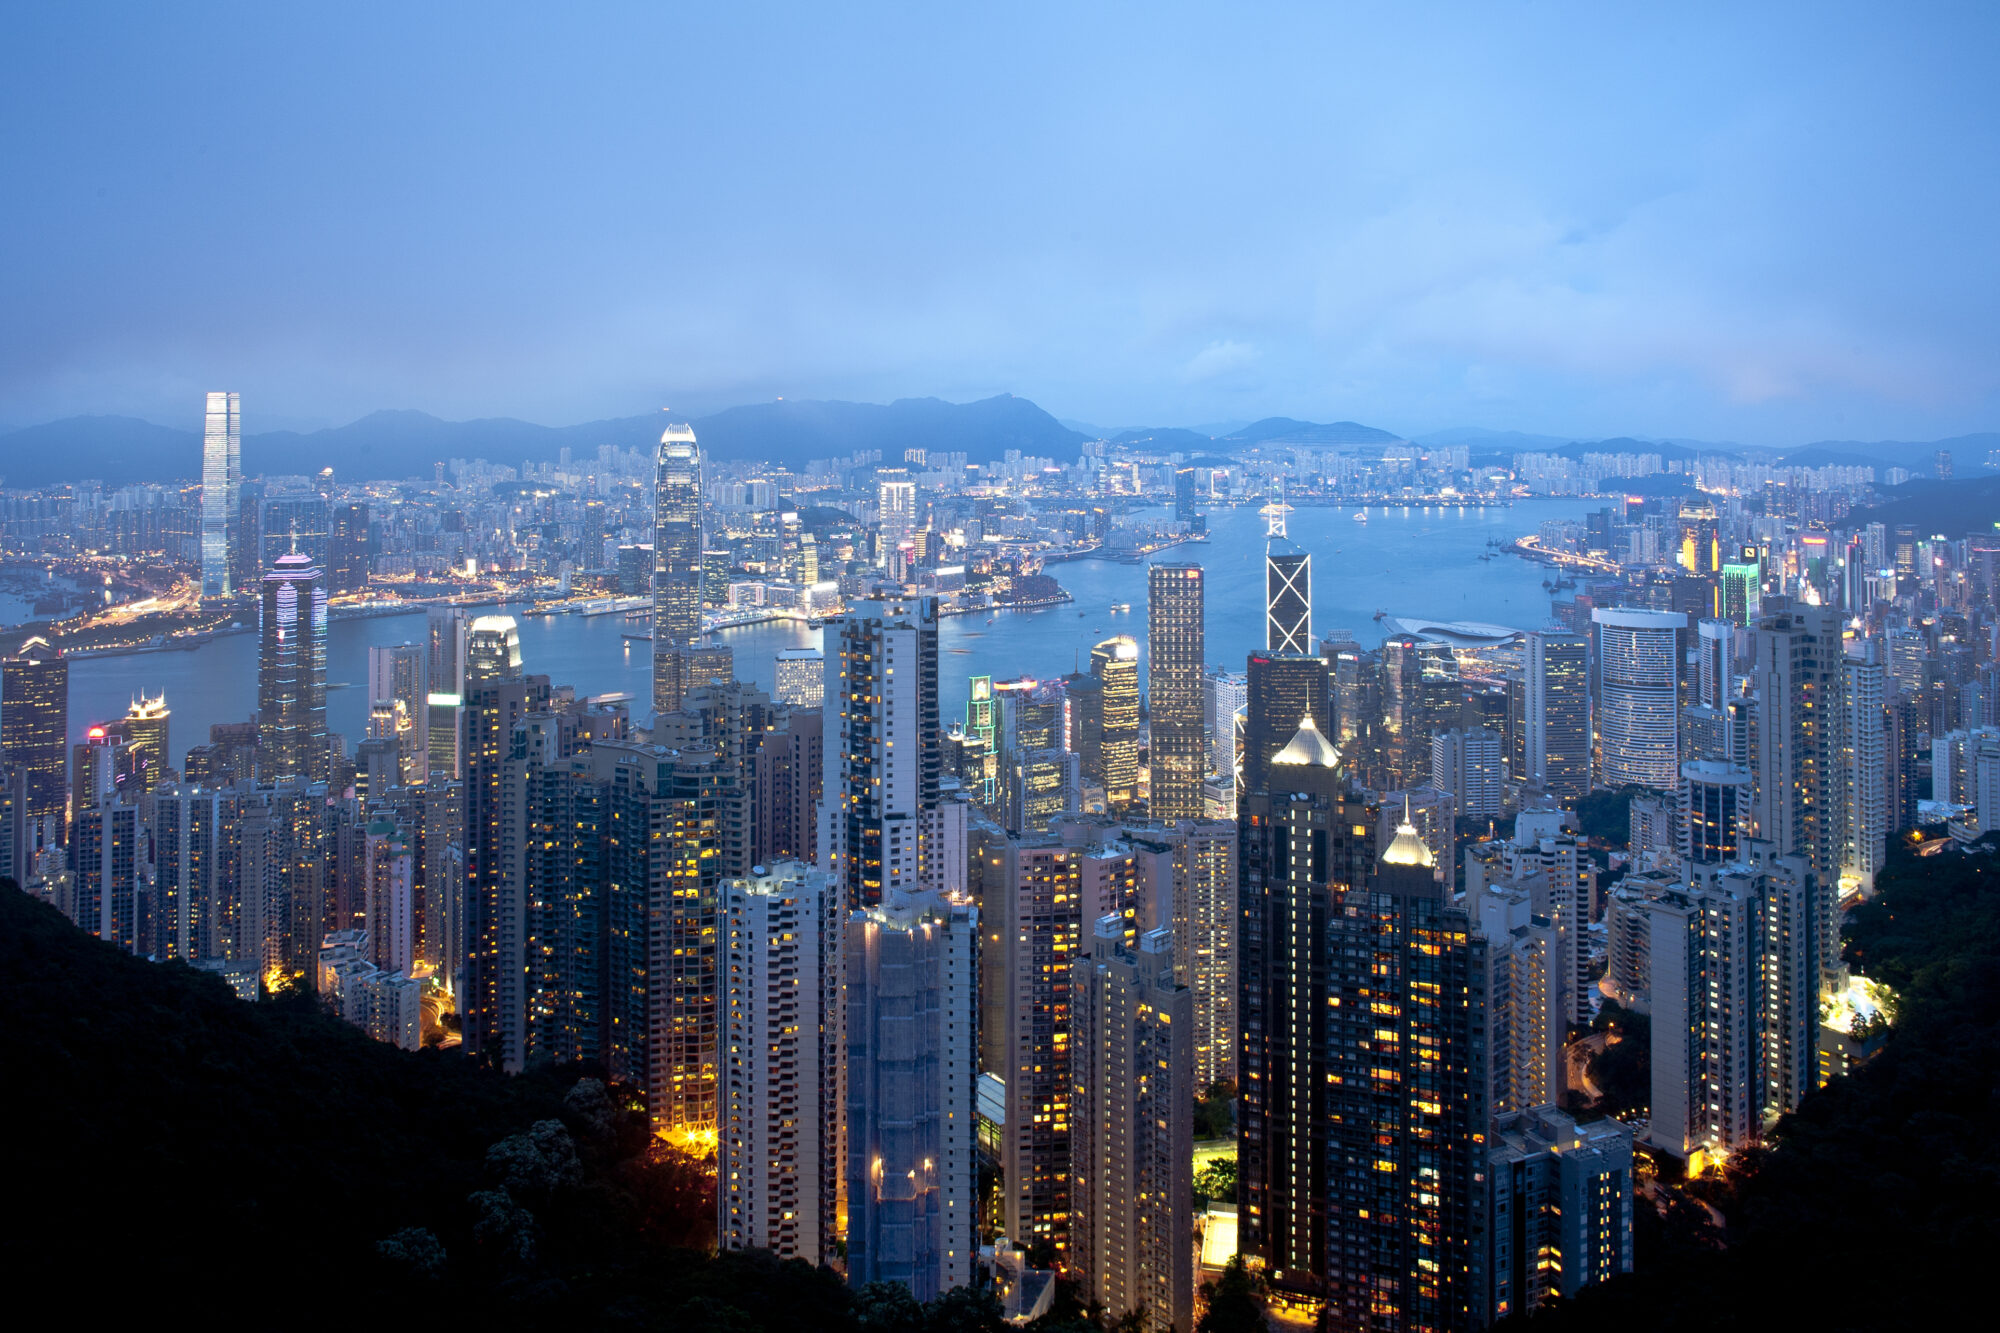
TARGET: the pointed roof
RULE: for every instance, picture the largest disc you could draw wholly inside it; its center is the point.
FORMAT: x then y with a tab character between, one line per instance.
1308	748
1407	849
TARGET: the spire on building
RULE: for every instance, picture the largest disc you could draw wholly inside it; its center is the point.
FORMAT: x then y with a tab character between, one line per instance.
1407	849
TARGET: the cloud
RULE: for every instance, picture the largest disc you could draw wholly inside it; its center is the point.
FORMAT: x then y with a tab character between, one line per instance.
1219	360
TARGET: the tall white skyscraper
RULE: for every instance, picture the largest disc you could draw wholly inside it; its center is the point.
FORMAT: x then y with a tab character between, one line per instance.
1864	761
777	1062
221	487
1638	715
899	518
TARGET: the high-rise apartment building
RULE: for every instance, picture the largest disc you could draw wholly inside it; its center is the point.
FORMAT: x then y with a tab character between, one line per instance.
1715	810
291	672
1638	715
1132	1128
221	479
908	1078
884	830
34	739
1405	1101
676	565
1560	1207
1527	1012
801	677
776	1062
1800	808
1865	770
1176	641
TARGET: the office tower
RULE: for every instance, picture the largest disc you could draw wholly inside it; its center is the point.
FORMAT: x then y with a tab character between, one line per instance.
1184	495
1225	694
1287	590
34	737
801	677
1733	982
908	1073
1298	845
775	1061
1280	689
897	497
882	824
221	478
1800	676
182	821
1638	715
1115	664
1715	810
676	565
1132	1129
1175	643
398	676
1559	1210
1406	1100
1863	758
347	549
100	770
1467	764
1714	663
1739	593
293	523
1909	651
1421	696
1527	1012
145	730
291	672
1043	785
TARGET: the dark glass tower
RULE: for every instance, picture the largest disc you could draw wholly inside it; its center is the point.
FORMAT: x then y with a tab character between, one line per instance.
1175	644
34	737
291	671
1282	688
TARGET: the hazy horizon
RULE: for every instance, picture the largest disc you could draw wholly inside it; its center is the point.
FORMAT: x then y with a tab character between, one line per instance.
1767	227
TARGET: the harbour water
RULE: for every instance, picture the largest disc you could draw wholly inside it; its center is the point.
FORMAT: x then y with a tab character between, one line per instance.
1407	562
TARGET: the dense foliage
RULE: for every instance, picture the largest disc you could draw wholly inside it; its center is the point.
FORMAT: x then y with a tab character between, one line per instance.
178	1149
1877	1206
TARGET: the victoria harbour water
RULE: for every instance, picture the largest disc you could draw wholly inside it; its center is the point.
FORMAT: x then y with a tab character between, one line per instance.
1411	562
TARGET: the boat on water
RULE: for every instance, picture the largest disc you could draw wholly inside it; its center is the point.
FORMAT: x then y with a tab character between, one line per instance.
1381	614
1361	516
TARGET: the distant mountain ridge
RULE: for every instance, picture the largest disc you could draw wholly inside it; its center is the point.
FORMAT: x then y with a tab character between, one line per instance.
395	444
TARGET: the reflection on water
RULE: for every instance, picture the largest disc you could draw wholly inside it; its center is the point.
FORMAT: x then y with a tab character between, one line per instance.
1405	561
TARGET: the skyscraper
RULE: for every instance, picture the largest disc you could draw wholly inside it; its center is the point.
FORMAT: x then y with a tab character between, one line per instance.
908	1076
676	565
221	476
398	677
882	830
1175	644
1801	677
1132	1128
1281	689
1406	1100
801	677
291	672
347	549
1287	590
1115	664
1638	670
774	1064
897	495
1867	819
34	738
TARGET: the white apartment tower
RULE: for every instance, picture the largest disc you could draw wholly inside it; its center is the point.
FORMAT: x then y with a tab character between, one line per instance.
778	942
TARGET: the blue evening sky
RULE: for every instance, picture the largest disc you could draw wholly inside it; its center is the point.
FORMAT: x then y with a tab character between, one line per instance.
1770	223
